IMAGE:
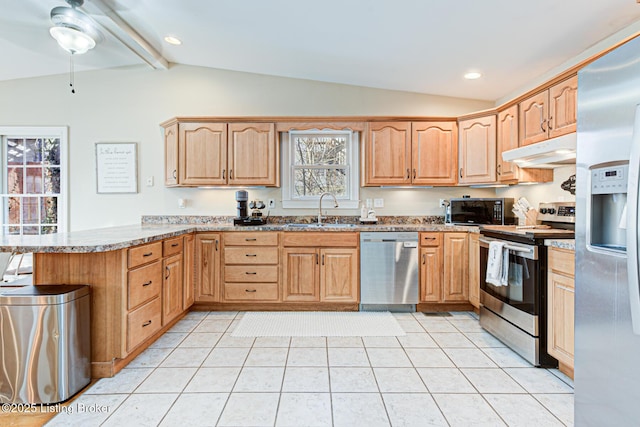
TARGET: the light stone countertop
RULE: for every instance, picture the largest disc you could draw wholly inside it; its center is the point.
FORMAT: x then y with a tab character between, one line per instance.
114	238
561	243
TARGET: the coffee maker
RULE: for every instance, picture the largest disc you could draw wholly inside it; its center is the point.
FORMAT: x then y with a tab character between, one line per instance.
242	217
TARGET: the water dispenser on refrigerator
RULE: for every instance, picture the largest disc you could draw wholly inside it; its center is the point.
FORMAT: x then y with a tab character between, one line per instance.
608	218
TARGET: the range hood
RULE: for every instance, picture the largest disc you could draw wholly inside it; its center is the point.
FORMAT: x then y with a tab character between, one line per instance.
552	153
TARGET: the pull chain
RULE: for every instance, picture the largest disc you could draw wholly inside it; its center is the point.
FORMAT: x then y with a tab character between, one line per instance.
71	74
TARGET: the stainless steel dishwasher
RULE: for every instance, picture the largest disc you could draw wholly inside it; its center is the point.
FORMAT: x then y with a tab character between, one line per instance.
388	270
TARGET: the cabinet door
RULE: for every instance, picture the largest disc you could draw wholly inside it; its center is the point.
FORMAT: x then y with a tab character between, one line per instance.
563	99
507	140
207	267
171	155
339	275
474	269
172	288
456	253
477	150
533	118
188	290
253	154
434	153
561	318
388	153
203	154
431	274
300	274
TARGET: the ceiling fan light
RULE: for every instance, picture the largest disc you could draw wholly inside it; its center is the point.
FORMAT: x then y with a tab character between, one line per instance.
72	40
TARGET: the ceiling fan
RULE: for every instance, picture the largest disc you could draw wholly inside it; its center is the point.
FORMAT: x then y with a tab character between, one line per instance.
74	30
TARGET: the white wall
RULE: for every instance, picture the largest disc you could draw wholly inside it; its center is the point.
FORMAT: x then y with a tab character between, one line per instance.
127	104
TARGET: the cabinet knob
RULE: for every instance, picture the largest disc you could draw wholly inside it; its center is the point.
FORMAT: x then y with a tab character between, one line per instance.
224	174
175	174
148	283
147	323
498	168
408	173
460	172
168	273
414	174
542	123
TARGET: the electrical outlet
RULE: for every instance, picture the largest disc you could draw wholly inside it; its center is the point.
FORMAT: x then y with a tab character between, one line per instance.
368	203
271	204
378	203
442	203
150	181
182	203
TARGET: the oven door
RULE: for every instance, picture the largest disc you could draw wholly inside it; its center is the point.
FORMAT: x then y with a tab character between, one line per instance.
524	270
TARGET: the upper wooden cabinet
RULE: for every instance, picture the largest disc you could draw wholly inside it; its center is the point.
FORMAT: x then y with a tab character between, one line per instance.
509	172
550	113
477	150
405	153
217	153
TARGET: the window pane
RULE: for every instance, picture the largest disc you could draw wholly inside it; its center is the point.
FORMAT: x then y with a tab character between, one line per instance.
52	180
51	151
314	182
33	151
49	210
320	150
15	180
33	184
30	210
14	210
12	230
15	149
49	229
30	230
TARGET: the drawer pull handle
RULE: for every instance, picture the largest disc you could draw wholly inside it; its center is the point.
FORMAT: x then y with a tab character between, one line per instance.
250	272
168	273
429	238
147	323
173	245
424	259
322	259
250	239
250	255
147	254
251	290
148	283
216	245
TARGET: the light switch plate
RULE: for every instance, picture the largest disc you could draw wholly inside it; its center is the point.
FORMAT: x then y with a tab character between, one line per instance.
378	203
150	181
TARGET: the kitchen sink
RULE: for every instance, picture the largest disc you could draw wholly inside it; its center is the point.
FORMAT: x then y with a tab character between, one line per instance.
316	225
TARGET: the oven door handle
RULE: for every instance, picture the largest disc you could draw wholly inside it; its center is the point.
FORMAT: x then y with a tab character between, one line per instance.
511	247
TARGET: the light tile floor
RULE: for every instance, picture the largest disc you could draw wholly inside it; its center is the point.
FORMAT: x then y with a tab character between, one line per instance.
445	371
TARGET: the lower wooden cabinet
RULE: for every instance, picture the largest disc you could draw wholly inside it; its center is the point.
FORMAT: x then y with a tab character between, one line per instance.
172	288
143	322
474	269
443	267
207	260
560	309
320	267
188	288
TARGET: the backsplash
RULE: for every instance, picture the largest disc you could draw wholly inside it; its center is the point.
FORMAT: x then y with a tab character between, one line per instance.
305	219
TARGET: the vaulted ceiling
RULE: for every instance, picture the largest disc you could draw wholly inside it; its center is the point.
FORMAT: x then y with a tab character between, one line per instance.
422	46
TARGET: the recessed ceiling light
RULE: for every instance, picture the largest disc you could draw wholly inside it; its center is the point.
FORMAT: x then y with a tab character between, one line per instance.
173	40
472	75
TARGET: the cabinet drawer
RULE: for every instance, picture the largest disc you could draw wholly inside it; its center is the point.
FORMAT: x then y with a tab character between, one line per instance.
143	284
145	254
251	273
251	292
143	322
259	238
324	239
172	246
250	255
562	261
430	239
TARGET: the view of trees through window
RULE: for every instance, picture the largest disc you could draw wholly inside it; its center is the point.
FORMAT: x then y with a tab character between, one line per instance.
320	164
32	185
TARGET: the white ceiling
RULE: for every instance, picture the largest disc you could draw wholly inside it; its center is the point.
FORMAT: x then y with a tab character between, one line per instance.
422	46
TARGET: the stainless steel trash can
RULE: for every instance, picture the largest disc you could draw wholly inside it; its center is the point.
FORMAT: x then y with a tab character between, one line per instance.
45	342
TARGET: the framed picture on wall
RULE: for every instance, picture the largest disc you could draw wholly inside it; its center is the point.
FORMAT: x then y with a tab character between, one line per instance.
116	167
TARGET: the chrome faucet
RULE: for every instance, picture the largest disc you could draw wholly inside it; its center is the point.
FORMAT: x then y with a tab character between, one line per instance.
335	201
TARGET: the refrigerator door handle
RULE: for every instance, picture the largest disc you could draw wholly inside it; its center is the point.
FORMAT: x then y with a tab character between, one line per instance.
632	224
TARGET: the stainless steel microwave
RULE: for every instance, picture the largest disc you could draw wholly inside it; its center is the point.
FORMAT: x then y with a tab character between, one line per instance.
470	211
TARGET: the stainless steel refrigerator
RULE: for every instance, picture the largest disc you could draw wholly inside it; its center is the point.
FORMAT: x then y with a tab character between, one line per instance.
607	322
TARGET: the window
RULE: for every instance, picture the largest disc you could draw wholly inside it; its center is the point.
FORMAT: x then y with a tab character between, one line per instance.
33	180
320	161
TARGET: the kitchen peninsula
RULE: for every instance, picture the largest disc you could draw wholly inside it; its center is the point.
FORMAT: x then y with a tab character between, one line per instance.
144	278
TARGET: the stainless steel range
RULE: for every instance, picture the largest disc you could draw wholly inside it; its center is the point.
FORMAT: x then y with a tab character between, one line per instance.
517	312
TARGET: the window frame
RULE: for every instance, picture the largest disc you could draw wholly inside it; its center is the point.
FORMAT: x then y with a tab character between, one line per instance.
60	132
352	165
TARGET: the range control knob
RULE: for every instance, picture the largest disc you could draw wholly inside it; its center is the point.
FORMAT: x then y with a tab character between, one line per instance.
543	210
551	211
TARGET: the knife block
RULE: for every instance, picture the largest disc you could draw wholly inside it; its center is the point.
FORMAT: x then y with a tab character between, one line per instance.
531	217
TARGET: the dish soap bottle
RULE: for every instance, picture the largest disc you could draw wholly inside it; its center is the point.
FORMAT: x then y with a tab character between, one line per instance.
363	212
